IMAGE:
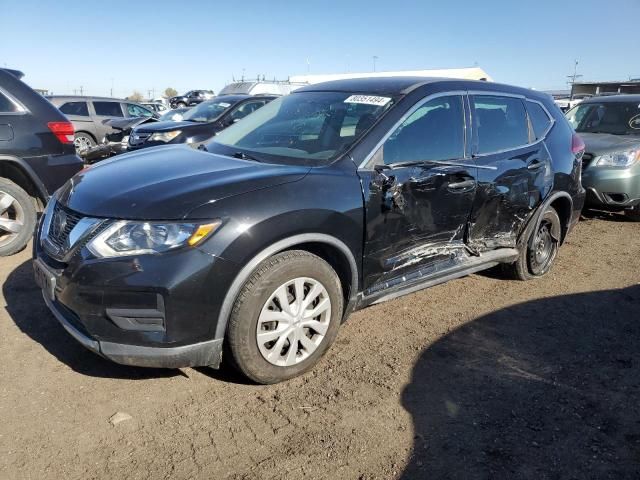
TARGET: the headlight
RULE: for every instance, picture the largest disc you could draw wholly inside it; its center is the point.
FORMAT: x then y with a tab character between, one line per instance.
138	238
618	159
164	136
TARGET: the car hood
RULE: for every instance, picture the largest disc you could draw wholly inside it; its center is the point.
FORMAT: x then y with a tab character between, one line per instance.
167	182
166	126
602	143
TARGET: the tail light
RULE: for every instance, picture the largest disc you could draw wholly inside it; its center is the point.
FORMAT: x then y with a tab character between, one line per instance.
62	130
577	145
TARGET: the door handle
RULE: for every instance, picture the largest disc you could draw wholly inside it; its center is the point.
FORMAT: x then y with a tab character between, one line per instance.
464	185
535	164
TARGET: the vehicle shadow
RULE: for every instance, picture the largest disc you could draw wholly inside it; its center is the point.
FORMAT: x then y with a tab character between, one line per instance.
548	389
29	312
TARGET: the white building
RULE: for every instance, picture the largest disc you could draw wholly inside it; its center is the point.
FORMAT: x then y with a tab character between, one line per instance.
471	73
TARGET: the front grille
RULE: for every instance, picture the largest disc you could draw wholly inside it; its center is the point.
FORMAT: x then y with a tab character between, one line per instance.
586	160
62	222
136	139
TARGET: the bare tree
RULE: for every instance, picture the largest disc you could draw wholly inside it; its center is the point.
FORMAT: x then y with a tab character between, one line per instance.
136	96
170	92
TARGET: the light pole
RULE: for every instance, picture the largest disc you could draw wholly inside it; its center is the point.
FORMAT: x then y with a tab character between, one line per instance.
375	59
574	77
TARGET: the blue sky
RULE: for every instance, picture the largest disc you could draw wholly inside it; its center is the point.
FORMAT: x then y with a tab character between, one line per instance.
146	45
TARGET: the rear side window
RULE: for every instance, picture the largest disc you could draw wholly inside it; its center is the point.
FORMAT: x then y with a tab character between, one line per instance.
108	109
540	121
500	123
6	105
75	108
435	131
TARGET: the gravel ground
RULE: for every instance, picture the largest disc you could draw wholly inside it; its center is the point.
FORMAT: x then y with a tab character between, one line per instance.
477	378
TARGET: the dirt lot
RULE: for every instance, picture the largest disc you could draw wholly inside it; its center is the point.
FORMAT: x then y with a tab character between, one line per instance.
478	378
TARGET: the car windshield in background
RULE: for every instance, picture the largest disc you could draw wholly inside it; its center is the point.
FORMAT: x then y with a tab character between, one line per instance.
617	118
206	111
305	125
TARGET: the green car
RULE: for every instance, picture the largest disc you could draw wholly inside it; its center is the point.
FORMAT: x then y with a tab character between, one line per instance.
610	128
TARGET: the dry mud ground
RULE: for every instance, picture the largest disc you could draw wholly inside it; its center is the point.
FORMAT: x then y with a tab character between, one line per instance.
477	378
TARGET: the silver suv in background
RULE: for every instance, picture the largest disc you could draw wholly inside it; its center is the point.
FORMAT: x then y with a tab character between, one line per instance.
88	115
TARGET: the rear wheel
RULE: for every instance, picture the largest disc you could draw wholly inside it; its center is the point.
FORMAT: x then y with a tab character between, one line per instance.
17	218
285	317
539	250
83	141
634	213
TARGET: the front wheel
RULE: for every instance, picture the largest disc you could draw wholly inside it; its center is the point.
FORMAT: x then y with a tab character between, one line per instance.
181	105
539	250
285	317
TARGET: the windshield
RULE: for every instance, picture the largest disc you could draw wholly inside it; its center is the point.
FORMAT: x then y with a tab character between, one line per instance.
305	125
207	111
617	118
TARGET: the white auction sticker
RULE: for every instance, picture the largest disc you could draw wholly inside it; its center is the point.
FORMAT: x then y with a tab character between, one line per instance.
368	100
224	104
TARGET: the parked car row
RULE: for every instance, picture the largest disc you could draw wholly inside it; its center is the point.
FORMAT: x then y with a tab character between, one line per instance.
89	114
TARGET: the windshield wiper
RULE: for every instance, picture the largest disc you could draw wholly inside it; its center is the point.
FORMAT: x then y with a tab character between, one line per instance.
244	156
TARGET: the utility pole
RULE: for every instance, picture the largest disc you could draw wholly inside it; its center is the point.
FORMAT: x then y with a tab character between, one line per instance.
111	91
80	90
573	77
375	59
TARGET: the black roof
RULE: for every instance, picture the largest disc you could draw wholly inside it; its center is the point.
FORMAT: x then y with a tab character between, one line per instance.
614	98
403	85
16	73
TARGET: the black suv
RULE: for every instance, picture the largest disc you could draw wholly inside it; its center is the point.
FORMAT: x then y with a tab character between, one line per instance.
36	157
198	124
192	97
332	198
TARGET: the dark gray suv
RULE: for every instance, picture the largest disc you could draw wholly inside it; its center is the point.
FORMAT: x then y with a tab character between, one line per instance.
88	115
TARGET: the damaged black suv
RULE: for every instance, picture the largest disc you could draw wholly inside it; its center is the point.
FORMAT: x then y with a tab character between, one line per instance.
254	248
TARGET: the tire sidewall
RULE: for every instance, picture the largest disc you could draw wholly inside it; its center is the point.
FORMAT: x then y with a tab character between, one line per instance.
28	205
524	267
271	274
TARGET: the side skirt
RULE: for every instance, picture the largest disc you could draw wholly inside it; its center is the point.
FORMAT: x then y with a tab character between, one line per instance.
466	267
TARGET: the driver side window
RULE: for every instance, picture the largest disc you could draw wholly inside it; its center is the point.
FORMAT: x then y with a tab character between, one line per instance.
435	131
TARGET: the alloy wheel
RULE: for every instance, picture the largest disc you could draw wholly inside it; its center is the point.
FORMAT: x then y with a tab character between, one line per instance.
82	143
293	322
11	218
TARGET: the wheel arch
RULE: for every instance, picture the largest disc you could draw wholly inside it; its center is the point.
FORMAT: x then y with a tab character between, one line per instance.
563	205
19	172
87	132
323	245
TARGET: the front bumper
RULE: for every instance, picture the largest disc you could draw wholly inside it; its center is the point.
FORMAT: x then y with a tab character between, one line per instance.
612	188
198	354
149	310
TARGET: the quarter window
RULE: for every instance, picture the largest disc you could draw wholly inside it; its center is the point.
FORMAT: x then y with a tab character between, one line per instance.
435	131
500	123
6	105
75	108
108	109
540	121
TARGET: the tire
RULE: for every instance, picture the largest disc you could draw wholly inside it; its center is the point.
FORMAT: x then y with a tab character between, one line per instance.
83	141
633	213
17	218
271	358
181	105
539	248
